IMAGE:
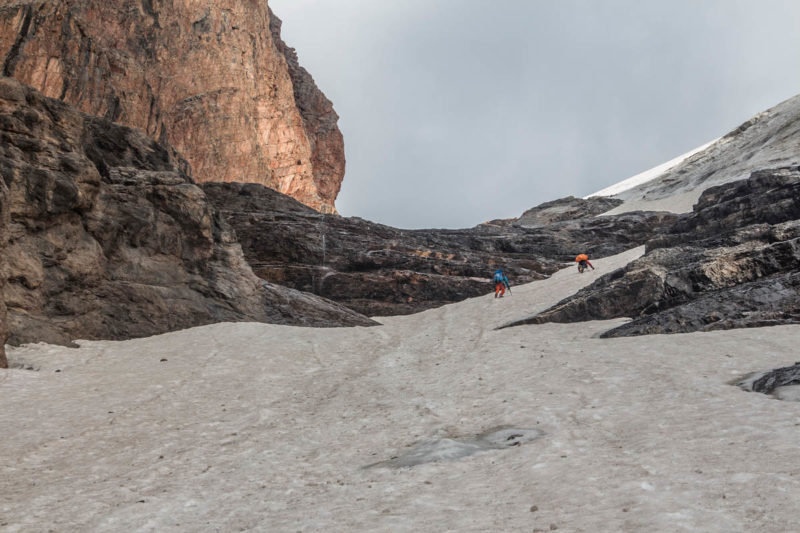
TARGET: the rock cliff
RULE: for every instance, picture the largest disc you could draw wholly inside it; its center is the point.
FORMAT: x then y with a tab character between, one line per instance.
733	262
104	237
380	270
213	79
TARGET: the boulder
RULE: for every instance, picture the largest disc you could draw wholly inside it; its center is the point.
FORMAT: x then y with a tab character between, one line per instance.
773	379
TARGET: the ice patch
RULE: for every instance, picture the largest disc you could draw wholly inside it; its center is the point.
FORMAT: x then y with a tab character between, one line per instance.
435	450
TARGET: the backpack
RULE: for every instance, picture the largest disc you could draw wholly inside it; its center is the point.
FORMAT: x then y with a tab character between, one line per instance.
498	276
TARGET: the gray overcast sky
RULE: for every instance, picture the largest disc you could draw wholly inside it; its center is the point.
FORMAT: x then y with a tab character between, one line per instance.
459	111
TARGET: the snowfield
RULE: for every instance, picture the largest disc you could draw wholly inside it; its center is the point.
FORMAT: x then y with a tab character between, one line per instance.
255	427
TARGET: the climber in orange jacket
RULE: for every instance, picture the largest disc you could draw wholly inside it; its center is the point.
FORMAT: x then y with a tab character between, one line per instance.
583	262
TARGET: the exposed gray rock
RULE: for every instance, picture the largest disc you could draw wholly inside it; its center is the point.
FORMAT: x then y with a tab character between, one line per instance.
379	270
767	302
561	210
782	383
780	377
733	262
108	239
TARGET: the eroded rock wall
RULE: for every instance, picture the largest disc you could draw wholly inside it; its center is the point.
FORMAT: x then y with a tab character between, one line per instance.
106	238
212	78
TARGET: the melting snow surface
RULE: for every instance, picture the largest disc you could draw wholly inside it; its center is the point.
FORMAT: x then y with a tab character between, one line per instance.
256	427
452	449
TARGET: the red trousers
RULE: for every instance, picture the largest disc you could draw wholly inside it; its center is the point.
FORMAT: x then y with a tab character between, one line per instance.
499	287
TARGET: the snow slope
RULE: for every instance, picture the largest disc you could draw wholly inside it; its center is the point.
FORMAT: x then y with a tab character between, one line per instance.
256	427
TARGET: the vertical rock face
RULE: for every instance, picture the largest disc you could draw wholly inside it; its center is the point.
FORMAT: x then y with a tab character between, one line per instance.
212	78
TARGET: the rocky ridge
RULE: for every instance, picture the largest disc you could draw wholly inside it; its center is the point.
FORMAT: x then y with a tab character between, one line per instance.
104	237
380	270
733	262
560	210
213	79
766	141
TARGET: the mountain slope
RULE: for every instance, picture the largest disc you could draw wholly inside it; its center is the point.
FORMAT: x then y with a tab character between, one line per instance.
771	139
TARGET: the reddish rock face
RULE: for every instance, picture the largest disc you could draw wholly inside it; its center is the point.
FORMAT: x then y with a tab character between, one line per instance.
211	78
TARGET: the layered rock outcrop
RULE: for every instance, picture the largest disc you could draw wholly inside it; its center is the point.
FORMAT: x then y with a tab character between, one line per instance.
213	79
379	270
106	238
733	262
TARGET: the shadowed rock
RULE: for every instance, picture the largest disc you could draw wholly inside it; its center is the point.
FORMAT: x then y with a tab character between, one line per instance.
106	237
380	270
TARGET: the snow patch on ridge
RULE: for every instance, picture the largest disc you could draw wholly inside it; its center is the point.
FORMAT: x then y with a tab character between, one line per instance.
648	175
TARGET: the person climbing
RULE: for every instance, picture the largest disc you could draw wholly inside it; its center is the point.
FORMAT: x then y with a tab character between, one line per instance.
500	283
583	262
